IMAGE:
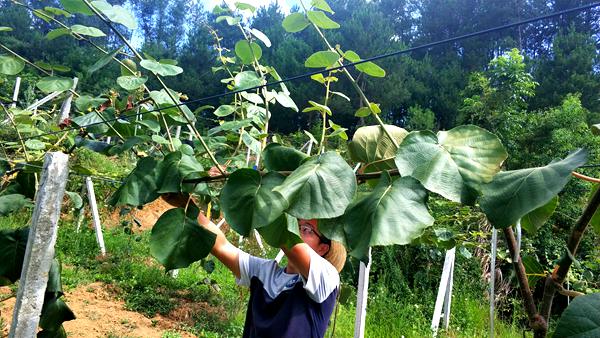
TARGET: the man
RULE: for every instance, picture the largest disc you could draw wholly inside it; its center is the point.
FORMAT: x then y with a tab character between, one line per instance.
295	301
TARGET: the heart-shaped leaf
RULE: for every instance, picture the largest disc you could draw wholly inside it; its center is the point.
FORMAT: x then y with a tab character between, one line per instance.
371	68
247	79
141	186
322	187
161	69
10	65
117	14
131	83
295	22
321	20
248	201
86	102
54	313
176	167
54	84
177	240
224	110
322	5
454	163
535	219
93	122
394	213
12	253
371	146
58	32
76	6
581	318
322	59
85	30
279	158
513	194
248	51
282	232
595	221
35	144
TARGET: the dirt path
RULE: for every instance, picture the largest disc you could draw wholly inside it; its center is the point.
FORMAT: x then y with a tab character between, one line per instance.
100	314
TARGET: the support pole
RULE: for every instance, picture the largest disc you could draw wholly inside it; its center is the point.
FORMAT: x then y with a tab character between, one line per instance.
16	92
39	253
493	279
65	109
95	215
444	295
361	299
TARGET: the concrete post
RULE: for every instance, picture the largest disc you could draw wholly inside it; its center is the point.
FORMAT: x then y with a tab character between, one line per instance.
40	246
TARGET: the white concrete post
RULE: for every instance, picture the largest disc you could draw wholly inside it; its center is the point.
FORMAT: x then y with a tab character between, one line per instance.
16	92
65	109
177	131
310	145
40	246
361	299
95	216
259	241
444	295
492	279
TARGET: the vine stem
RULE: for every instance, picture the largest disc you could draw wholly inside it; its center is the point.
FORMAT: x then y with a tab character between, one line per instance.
324	113
536	322
555	280
17	130
360	92
139	57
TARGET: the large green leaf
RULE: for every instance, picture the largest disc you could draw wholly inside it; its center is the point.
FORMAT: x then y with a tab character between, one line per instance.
176	167
10	65
12	253
394	213
76	6
54	313
261	36
224	110
247	79
514	194
279	158
58	32
322	5
60	333
321	20
161	69
130	83
295	22
93	118
248	201
103	61
581	319
141	186
85	30
454	163
54	84
536	218
117	14
177	240
86	102
372	147
282	232
322	59
248	51
371	68
533	269
11	202
322	187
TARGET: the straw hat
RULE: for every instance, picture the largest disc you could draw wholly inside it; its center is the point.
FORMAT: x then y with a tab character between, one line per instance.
336	255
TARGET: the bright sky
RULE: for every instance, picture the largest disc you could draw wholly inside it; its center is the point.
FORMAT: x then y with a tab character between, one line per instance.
284	4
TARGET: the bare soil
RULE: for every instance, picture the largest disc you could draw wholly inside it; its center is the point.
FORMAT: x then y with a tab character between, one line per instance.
100	314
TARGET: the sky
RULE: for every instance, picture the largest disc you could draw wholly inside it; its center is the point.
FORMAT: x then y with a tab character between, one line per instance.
284	4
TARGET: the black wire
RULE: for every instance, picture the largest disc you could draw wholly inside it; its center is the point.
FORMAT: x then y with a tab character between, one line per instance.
378	57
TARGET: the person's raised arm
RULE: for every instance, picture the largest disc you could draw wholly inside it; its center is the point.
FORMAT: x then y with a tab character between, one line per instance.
225	252
298	258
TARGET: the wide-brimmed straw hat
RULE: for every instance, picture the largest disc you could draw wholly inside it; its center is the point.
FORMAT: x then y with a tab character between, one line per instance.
336	255
337	252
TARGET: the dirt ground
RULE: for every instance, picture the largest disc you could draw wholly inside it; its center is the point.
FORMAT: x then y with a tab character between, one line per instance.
98	310
100	314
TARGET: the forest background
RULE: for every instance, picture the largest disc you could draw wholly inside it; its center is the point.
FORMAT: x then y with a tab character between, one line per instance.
536	86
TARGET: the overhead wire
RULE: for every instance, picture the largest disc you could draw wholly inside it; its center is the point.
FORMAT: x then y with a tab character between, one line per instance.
351	64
